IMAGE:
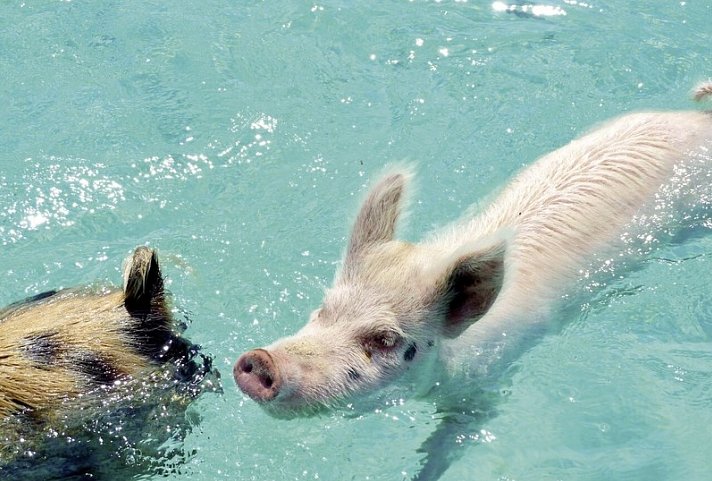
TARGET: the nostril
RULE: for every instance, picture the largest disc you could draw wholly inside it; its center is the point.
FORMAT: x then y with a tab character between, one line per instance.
268	381
246	367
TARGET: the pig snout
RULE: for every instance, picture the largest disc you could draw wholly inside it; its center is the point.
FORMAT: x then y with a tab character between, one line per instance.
257	375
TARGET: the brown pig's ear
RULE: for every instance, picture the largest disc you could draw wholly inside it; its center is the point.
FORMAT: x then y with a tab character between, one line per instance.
378	215
143	282
469	285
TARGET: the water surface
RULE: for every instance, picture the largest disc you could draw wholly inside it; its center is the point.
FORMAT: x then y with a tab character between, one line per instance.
237	137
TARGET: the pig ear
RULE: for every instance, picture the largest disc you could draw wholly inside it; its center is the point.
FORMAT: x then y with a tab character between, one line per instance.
143	282
376	220
469	286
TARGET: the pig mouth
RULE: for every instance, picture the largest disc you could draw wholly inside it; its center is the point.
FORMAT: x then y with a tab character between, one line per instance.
350	406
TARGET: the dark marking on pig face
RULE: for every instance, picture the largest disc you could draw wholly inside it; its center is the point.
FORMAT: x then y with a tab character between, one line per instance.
94	368
21	404
47	350
43	349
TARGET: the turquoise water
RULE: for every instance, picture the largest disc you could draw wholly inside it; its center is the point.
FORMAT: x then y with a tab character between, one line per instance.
237	138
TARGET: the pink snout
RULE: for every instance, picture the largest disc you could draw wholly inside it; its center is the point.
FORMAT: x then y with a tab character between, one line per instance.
257	375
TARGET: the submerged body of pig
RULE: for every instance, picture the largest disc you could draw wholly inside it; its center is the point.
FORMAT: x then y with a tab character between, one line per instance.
398	308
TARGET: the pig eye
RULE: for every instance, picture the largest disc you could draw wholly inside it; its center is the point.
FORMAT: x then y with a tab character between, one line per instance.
382	341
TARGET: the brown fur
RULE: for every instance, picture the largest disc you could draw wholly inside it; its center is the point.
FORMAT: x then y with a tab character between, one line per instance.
71	342
95	384
80	324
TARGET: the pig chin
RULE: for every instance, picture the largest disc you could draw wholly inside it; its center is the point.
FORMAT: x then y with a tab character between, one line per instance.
354	404
297	398
298	401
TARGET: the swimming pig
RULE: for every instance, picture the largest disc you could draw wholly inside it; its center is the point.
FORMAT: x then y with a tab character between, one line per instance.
65	355
409	314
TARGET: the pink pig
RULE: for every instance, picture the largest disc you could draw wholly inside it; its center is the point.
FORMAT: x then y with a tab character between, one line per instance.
399	313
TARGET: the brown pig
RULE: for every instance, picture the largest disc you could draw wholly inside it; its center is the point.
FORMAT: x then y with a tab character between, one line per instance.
66	354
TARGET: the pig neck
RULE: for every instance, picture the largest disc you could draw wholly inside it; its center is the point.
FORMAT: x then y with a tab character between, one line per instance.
557	217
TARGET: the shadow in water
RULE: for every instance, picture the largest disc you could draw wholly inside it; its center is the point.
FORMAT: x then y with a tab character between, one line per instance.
458	430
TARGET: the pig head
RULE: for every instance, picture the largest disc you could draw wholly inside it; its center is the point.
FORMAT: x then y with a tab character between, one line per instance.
383	320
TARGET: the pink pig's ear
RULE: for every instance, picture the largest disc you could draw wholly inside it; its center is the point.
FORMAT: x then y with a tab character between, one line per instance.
469	285
377	218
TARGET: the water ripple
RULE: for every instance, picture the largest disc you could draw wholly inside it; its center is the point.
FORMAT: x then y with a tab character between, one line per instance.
54	191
